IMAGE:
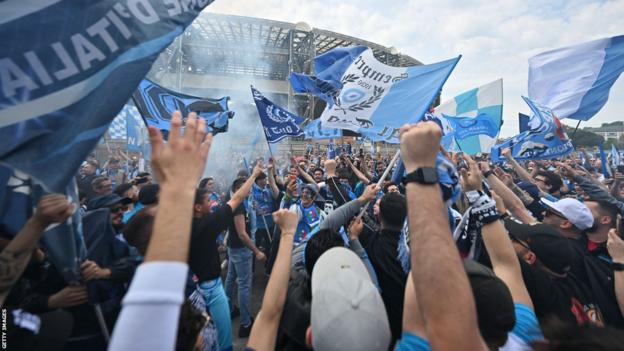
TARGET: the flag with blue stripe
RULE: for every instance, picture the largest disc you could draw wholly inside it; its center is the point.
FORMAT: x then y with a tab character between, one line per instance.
276	121
615	156
546	138
606	172
475	116
574	81
157	103
67	69
375	99
136	131
330	68
314	130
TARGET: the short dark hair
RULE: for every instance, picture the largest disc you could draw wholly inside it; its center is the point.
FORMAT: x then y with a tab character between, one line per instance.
138	231
343	173
563	336
148	195
320	242
393	209
319	169
199	195
144	174
191	324
122	188
237	183
203	182
97	182
387	185
260	177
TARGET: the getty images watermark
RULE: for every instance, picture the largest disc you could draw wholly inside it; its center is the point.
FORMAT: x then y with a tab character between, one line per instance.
4	329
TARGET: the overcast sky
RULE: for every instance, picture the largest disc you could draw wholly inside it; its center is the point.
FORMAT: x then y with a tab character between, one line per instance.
495	37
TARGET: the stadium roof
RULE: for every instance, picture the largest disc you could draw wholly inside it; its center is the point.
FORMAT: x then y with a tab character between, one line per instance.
236	45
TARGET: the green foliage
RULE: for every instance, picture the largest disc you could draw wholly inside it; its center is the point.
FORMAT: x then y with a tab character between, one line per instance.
583	138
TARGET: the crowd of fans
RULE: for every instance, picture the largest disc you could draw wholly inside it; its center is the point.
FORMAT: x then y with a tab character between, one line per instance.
461	254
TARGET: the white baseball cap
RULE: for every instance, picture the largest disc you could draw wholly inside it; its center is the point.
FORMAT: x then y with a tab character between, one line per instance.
575	211
347	311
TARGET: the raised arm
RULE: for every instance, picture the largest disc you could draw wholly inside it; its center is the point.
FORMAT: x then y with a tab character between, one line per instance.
446	304
357	172
151	307
272	183
512	201
243	191
343	214
54	208
264	330
615	245
522	173
504	259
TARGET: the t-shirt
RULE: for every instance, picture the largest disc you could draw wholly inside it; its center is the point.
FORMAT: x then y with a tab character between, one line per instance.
383	250
567	298
526	330
234	241
203	255
412	342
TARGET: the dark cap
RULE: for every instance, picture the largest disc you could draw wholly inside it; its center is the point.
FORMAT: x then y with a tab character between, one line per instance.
107	200
495	308
148	195
550	247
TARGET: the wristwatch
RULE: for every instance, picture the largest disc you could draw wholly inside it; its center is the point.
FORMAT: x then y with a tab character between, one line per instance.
422	175
617	266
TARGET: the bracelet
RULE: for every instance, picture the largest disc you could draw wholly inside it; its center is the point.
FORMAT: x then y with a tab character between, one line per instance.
487	173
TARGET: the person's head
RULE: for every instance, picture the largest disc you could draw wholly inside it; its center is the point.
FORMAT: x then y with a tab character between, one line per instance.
391	187
495	306
113	163
115	203
343	176
237	183
308	195
543	246
201	205
102	185
127	190
320	242
191	324
570	216
347	312
138	230
261	180
604	214
542	180
564	336
376	208
381	167
89	167
293	170
208	184
148	195
392	211
318	175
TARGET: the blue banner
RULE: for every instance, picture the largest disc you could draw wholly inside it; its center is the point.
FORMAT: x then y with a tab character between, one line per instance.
68	67
464	127
603	161
276	121
314	130
545	138
156	104
523	122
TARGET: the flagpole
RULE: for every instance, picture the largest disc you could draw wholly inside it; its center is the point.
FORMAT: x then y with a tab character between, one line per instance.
575	129
382	179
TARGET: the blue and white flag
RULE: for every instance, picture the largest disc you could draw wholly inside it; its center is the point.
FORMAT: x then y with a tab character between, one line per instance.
574	81
329	68
375	99
475	118
136	131
276	121
314	130
615	156
545	139
157	103
606	172
66	70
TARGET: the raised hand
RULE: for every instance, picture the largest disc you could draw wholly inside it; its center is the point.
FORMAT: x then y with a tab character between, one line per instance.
286	220
91	271
53	208
615	246
183	157
355	228
68	297
471	178
369	194
420	144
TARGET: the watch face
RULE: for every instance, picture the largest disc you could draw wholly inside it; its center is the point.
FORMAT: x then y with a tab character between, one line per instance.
430	175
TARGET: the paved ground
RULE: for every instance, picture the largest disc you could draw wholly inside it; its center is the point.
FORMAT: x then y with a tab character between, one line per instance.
259	282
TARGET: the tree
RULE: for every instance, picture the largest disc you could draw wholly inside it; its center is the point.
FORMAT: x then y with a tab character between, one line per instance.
583	138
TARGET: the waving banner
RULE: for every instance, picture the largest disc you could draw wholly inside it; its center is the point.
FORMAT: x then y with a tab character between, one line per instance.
375	99
545	139
314	130
574	81
475	117
276	121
